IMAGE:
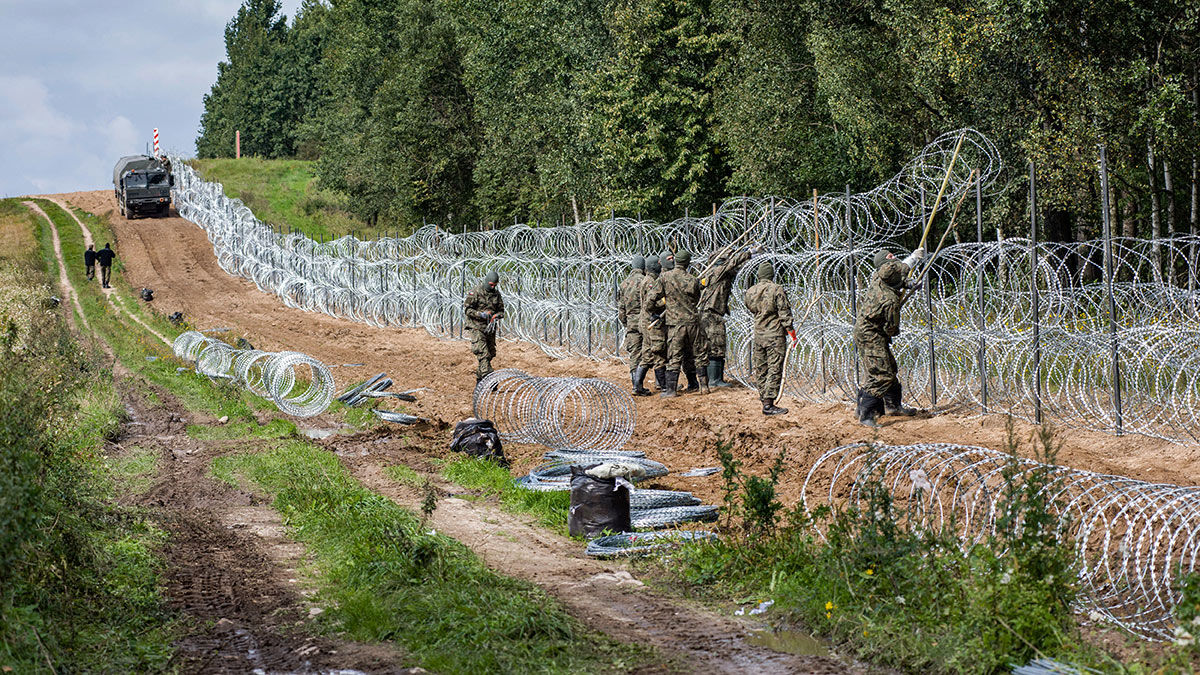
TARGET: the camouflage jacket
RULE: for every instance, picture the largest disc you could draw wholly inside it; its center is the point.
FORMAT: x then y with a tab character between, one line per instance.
879	312
647	312
629	300
718	282
676	292
479	299
772	311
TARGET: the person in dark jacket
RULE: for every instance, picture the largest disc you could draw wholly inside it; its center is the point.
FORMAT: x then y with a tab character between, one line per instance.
105	257
483	306
89	261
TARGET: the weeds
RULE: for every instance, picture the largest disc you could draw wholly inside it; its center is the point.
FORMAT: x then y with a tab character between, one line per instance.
869	577
550	508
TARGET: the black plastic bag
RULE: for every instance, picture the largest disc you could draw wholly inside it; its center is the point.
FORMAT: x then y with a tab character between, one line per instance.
598	505
147	294
478	438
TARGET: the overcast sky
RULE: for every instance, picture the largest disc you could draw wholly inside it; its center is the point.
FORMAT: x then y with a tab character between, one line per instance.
84	82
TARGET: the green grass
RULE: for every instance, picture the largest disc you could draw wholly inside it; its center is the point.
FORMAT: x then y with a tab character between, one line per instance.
550	508
405	475
387	578
79	576
276	428
284	192
133	472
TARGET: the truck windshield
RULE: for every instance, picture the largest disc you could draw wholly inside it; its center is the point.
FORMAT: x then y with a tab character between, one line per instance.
135	180
157	178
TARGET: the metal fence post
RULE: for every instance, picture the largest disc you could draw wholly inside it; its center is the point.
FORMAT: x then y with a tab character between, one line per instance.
982	355
852	272
1035	300
1114	338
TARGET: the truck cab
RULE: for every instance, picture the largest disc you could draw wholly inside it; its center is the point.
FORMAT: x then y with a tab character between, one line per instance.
142	185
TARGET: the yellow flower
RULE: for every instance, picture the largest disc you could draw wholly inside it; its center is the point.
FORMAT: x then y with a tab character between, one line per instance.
870	571
829	605
828	615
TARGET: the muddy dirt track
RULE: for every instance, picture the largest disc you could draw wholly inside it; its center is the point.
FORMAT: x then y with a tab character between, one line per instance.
175	258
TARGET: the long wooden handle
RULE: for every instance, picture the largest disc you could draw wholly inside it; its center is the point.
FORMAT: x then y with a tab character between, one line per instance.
953	223
730	245
945	180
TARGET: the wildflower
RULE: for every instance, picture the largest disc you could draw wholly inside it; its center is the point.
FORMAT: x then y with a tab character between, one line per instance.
829	605
900	600
828	615
1095	616
1006	578
870	571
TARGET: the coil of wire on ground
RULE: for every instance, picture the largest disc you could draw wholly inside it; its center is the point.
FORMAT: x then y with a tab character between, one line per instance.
1133	540
971	342
561	413
642	543
273	375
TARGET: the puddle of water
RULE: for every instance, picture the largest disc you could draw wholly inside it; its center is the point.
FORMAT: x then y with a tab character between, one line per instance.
788	642
318	434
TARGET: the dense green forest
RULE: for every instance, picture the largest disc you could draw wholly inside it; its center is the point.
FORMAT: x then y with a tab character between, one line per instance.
461	111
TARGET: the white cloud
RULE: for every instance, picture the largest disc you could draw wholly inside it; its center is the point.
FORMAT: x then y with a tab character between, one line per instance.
122	138
25	111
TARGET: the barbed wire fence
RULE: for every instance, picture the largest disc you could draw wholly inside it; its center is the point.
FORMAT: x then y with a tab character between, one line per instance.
1089	335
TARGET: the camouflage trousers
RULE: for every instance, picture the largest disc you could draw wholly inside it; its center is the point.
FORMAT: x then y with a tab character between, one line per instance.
483	346
766	357
713	327
881	371
633	346
685	348
654	348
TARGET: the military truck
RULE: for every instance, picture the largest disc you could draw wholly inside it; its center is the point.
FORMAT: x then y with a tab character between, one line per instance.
142	185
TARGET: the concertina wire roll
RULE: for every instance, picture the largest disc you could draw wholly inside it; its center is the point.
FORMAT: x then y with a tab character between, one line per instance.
559	286
1133	540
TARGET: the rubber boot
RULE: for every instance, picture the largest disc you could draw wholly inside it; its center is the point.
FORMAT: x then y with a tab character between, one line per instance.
892	405
693	385
702	377
716	373
869	409
672	384
660	378
639	376
769	408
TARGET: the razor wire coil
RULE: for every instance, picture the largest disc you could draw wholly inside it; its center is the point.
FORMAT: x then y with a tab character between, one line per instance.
1133	540
273	375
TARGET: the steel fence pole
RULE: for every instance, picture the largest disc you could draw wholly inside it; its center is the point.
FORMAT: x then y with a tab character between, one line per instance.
1113	335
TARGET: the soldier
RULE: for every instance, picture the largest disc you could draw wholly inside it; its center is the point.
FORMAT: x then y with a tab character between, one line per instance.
772	311
629	311
878	322
483	307
654	334
89	261
714	305
105	257
675	294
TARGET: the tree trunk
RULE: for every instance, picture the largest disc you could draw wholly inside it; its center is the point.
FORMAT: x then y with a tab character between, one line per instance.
1169	193
575	208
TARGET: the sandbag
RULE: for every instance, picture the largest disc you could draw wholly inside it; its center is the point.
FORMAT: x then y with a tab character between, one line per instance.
597	504
478	438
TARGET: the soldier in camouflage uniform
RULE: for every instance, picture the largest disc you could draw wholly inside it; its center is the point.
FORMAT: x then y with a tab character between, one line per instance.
629	310
675	294
772	311
483	307
654	335
878	322
714	305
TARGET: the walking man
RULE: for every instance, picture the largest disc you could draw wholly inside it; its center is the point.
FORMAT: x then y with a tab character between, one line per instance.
877	323
105	257
629	310
714	306
484	307
654	332
89	261
772	311
675	294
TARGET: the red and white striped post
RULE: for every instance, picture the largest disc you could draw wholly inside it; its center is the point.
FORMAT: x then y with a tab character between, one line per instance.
237	144
156	142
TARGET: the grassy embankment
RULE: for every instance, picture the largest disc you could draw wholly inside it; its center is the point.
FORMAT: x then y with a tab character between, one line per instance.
285	192
383	576
79	576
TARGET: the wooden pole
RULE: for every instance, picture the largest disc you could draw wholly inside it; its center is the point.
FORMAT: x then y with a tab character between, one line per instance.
942	191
